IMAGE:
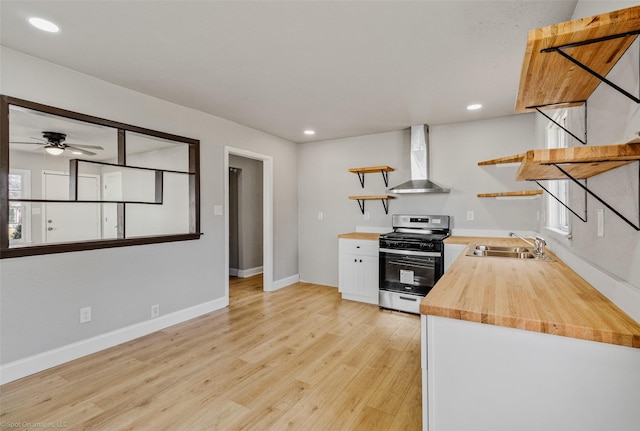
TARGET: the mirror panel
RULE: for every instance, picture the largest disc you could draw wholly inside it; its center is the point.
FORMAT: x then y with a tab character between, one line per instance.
152	152
86	182
117	183
171	217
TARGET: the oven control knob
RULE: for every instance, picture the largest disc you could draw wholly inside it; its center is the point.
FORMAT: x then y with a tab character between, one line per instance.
428	246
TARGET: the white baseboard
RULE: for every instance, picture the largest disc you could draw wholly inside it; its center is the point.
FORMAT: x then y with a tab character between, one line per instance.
244	273
42	361
284	282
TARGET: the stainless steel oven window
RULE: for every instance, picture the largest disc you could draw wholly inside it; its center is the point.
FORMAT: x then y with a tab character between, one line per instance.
409	271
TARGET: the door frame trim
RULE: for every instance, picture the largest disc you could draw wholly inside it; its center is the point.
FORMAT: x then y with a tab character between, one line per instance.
267	214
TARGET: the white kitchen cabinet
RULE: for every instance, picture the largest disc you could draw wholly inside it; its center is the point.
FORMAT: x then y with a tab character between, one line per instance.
492	378
358	270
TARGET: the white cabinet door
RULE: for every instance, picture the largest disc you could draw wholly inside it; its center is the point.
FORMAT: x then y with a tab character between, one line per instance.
488	377
369	276
358	270
348	274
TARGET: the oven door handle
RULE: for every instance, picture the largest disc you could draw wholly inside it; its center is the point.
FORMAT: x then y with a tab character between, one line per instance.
411	252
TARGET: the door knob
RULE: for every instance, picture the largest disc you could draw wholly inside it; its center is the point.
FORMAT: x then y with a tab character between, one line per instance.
49	228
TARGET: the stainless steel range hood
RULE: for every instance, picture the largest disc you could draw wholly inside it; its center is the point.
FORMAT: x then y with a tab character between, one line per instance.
419	182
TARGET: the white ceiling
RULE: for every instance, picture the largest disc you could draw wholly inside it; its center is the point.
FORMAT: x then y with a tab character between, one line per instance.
343	68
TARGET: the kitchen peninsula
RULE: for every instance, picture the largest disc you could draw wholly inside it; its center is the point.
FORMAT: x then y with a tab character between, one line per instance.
526	344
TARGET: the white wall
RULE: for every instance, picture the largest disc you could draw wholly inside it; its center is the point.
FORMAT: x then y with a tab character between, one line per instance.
41	295
455	150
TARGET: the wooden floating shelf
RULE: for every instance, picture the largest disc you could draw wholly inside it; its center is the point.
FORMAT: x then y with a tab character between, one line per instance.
371	169
370	197
384	170
513	195
579	162
547	78
517	158
383	198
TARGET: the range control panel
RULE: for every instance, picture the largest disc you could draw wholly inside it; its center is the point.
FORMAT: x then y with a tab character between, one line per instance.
435	222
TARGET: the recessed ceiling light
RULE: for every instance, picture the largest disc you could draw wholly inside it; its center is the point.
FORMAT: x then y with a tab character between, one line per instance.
309	132
43	24
474	107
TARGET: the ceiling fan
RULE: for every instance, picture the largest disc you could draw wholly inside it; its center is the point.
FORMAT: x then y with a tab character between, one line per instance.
54	144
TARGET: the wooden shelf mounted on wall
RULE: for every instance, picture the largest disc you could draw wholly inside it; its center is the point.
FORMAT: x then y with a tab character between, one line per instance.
384	170
574	164
564	63
522	194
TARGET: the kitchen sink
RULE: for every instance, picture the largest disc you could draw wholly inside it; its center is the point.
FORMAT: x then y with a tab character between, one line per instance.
514	252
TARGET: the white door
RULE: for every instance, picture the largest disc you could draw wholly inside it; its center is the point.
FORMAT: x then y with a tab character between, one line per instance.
111	191
67	222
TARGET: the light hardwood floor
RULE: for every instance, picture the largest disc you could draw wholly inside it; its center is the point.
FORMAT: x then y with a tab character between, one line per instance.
299	358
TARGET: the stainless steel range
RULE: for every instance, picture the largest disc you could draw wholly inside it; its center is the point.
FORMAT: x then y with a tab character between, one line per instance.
411	260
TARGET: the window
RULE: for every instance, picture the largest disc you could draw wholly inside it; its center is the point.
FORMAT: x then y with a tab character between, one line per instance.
557	212
19	212
70	182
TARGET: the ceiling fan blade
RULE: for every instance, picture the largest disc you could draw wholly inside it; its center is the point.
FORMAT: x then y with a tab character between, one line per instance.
80	150
95	147
27	143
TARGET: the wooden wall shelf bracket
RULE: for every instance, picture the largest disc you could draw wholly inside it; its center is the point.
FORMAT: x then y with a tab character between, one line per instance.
582	218
383	198
567	61
573	135
599	199
560	50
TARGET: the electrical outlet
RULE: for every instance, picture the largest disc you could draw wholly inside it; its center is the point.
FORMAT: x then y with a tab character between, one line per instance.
470	215
600	223
367	215
155	310
85	314
320	215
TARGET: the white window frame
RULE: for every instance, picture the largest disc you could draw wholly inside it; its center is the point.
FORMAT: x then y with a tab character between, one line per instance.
558	218
26	206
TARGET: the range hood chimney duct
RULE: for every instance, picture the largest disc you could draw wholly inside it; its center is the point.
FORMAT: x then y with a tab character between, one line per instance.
420	182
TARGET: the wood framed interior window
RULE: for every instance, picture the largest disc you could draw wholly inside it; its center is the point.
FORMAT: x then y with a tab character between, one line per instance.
71	182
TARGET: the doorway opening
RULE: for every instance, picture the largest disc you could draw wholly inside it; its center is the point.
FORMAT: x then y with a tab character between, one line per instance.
237	156
245	217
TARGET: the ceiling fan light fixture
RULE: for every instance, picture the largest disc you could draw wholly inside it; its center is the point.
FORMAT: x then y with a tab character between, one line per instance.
53	150
44	25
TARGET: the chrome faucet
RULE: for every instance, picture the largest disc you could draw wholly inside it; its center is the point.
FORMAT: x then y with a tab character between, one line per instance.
538	244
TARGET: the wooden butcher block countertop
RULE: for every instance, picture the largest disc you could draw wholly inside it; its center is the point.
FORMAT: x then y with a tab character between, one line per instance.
360	235
540	296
